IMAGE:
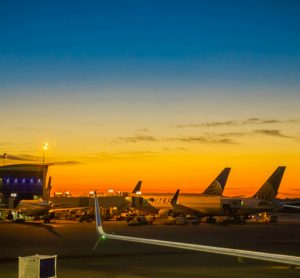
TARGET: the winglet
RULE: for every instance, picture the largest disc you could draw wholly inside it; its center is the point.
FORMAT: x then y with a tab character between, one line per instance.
137	187
98	217
174	199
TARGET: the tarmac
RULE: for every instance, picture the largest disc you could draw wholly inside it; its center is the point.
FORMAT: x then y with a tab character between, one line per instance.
73	244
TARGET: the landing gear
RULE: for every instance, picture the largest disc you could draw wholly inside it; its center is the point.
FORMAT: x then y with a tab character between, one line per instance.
20	220
47	219
211	220
242	221
232	218
238	220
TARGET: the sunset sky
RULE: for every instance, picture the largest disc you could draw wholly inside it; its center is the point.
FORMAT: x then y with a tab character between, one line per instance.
167	92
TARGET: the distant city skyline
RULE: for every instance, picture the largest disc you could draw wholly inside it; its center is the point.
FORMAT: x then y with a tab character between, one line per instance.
167	92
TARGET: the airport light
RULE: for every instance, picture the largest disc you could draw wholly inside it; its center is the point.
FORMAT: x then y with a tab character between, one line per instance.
4	156
45	147
138	193
110	191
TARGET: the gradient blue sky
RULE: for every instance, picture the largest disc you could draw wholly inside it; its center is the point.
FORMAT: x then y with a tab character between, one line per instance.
166	50
96	71
150	42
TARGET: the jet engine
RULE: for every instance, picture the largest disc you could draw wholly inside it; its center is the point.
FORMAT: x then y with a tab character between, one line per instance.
164	213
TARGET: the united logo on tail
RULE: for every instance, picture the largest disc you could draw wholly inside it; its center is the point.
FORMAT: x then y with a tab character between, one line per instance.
269	189
218	185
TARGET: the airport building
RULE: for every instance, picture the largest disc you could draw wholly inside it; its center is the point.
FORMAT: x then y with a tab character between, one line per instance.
22	181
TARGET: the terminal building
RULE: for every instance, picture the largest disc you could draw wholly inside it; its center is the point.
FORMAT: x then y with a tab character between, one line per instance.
22	181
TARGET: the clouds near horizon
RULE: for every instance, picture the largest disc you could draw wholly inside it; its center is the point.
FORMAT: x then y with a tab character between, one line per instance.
237	123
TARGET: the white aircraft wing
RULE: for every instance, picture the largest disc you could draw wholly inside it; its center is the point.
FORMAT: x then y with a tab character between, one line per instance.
15	210
65	209
289	206
284	259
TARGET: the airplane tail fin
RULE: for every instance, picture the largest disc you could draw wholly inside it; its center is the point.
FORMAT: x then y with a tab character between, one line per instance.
174	199
269	189
137	187
218	185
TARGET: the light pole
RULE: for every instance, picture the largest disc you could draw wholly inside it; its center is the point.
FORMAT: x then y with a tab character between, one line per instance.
45	147
4	156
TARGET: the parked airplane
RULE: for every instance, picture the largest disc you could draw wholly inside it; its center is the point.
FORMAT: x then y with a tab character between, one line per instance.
39	208
291	261
263	200
161	203
203	206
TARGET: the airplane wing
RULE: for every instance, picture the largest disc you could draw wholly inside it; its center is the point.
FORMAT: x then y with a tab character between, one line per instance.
292	261
240	196
289	206
291	202
60	205
15	210
65	209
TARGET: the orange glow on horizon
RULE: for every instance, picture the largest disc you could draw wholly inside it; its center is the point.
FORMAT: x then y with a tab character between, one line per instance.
190	174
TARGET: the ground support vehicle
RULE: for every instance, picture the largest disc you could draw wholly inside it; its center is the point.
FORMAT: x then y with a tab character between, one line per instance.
139	220
194	220
86	217
175	221
265	218
126	216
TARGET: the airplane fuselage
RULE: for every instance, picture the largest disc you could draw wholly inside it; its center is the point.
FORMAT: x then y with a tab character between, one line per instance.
254	205
201	204
34	208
